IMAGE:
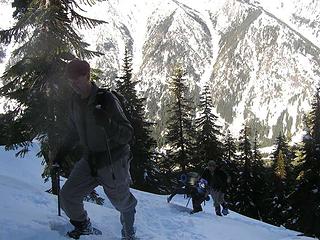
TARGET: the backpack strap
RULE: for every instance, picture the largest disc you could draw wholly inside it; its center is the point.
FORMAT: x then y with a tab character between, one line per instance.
103	94
106	99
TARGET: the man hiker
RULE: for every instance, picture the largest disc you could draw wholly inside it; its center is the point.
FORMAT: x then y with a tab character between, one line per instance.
218	180
104	133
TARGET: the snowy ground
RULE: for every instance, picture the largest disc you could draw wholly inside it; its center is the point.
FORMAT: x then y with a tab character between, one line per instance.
27	212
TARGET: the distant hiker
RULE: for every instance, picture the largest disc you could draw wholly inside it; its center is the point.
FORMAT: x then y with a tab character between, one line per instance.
218	180
192	186
104	133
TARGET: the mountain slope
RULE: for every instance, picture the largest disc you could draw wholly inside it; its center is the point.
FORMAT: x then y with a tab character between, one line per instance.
260	61
28	212
302	15
259	68
266	74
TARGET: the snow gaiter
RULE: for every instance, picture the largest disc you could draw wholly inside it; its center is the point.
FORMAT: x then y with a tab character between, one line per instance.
127	220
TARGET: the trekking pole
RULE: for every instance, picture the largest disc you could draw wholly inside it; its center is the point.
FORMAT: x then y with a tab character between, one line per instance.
56	168
188	201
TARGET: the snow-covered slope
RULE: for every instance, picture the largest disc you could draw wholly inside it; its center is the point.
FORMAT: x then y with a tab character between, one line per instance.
302	15
27	212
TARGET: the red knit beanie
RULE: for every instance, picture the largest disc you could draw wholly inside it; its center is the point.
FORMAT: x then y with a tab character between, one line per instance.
76	68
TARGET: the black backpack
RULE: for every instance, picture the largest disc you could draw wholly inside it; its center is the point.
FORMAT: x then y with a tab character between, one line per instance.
124	103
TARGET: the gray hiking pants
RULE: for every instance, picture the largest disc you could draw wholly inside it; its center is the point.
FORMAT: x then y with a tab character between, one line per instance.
218	198
80	184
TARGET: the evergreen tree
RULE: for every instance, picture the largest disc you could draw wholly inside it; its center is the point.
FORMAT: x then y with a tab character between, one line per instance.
245	148
306	197
143	146
259	183
179	136
230	148
280	183
35	81
282	145
257	157
232	165
280	167
208	145
246	193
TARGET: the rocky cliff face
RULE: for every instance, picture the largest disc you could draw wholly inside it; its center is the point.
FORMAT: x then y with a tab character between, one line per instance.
261	65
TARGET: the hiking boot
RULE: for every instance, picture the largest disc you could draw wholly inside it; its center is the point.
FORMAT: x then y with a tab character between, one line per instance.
225	211
80	228
131	237
195	211
218	211
125	236
127	220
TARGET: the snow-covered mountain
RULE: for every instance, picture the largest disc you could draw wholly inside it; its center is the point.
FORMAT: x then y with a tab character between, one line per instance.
29	213
260	58
301	15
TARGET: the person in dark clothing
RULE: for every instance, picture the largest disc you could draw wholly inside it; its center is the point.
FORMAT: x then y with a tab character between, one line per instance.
218	181
190	185
199	195
104	133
